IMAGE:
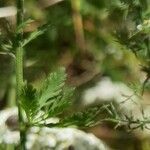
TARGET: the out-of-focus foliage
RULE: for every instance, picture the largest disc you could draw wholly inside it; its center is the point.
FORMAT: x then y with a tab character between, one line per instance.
101	21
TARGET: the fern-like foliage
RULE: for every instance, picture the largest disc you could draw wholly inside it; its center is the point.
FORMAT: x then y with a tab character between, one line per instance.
86	118
51	100
29	102
52	88
61	103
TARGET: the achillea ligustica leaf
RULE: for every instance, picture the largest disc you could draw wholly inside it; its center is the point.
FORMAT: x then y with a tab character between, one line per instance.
29	102
62	102
52	87
51	100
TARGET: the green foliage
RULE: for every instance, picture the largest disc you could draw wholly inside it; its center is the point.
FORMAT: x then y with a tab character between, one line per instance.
52	87
23	25
61	103
136	37
124	24
53	98
33	35
29	102
49	101
86	118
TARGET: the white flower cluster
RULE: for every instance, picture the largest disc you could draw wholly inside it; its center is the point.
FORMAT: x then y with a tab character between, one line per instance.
6	135
63	138
49	138
107	90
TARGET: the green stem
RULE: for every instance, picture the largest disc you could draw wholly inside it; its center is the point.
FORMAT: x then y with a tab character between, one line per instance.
19	71
19	81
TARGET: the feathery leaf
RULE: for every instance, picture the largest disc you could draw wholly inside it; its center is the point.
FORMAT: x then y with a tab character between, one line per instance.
52	87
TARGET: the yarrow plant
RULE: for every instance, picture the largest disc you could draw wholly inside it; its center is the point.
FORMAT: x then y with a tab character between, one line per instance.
36	106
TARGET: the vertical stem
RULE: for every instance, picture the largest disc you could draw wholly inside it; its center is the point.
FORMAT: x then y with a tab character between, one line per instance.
19	81
20	13
78	25
19	71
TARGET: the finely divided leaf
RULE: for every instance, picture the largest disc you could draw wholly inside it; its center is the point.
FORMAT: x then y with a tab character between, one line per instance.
29	102
51	100
23	25
41	30
86	118
61	103
52	87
